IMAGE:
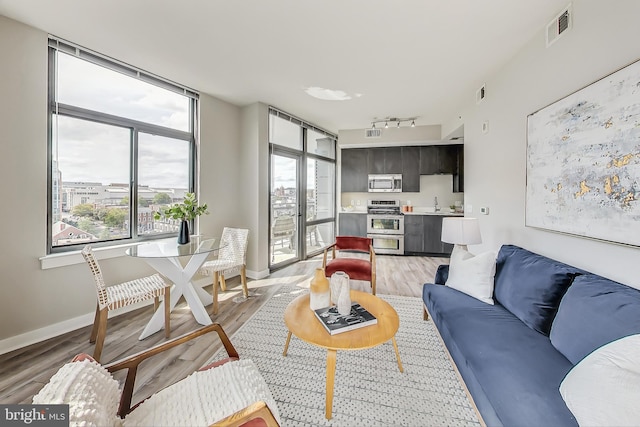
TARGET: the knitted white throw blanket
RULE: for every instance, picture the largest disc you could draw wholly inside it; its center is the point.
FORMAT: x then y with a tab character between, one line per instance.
199	400
205	397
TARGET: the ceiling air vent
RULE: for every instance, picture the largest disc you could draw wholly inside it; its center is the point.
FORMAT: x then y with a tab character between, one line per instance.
561	24
373	133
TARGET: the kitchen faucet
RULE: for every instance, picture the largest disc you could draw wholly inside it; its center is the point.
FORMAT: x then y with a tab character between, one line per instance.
435	203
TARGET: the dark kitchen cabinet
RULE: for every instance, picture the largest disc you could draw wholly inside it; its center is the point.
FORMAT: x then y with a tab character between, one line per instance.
438	159
411	169
352	224
410	161
432	234
422	234
413	234
375	160
393	160
385	160
458	176
429	160
447	158
354	170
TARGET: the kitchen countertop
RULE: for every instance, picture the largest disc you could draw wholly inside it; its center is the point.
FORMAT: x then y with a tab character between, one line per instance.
441	213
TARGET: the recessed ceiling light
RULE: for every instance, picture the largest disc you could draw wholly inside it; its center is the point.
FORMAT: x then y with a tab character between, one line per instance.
330	94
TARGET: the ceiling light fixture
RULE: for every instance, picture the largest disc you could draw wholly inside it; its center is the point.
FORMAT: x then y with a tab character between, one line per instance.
397	120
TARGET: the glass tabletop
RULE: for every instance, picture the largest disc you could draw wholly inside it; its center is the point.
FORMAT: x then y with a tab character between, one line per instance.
170	247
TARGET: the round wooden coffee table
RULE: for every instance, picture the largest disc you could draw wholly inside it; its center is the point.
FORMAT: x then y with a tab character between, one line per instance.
302	322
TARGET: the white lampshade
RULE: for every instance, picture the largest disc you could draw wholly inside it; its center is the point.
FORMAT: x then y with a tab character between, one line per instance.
461	231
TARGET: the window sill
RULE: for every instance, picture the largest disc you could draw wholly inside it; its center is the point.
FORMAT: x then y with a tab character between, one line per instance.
75	257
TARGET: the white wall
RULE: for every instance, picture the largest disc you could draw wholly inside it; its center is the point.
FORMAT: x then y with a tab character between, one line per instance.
36	304
405	135
604	38
254	178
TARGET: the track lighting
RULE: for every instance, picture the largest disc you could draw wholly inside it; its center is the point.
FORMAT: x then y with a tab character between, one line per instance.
397	121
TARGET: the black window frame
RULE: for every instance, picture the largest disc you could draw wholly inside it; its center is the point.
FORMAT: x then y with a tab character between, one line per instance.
135	128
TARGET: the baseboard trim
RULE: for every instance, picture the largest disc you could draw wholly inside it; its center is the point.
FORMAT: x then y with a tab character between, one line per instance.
17	342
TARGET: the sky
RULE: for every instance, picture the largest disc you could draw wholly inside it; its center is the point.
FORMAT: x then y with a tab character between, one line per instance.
163	162
89	151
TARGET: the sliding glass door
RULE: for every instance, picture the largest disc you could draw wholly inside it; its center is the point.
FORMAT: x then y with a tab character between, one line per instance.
285	208
302	189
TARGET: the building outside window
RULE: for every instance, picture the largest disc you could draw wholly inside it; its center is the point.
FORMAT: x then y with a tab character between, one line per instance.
122	145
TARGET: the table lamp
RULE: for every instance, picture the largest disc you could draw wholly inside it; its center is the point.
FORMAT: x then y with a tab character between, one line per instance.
461	231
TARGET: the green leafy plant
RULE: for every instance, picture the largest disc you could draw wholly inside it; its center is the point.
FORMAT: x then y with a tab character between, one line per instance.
187	210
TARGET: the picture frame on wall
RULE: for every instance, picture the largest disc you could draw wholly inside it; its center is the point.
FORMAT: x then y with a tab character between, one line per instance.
583	161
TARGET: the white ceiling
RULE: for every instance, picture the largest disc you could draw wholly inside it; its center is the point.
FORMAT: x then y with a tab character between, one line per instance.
405	57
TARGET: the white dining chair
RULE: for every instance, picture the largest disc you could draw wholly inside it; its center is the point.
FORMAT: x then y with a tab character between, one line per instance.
232	257
121	295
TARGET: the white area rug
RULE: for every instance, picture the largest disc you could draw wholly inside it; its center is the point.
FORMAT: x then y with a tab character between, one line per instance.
369	388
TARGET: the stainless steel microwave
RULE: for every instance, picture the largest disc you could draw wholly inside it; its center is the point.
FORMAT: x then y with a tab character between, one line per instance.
379	183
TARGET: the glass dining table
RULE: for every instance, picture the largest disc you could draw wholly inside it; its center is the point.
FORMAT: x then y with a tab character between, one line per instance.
165	257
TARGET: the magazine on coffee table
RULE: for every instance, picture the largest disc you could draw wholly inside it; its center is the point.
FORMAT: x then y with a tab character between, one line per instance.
335	323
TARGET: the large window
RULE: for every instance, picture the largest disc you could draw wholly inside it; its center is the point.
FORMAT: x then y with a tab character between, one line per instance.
121	144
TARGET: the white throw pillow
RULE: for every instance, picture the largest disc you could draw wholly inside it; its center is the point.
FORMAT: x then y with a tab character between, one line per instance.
89	389
603	389
472	274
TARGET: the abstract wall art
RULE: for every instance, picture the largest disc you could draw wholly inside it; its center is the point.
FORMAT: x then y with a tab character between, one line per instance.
583	161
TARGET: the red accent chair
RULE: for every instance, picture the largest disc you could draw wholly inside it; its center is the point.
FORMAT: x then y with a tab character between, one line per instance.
356	268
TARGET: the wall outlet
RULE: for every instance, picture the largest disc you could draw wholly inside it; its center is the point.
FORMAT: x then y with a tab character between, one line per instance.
484	211
358	202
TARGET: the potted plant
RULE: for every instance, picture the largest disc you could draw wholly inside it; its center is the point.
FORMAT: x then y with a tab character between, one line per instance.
186	211
452	208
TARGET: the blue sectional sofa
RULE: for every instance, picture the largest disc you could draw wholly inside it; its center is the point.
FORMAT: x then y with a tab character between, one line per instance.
547	316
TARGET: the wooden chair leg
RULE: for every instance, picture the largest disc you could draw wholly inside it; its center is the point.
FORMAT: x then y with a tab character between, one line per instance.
167	312
102	332
96	323
243	280
373	283
156	303
215	292
223	283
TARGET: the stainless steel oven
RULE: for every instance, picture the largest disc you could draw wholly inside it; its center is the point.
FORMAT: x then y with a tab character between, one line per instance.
388	243
385	225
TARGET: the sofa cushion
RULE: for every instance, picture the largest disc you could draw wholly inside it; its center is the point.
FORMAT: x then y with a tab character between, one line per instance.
512	371
530	285
472	274
89	389
594	311
604	388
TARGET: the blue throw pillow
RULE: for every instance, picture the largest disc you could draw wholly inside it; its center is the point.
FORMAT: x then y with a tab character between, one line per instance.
595	311
530	285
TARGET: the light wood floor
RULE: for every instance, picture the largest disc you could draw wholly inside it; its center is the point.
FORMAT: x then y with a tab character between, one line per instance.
24	372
